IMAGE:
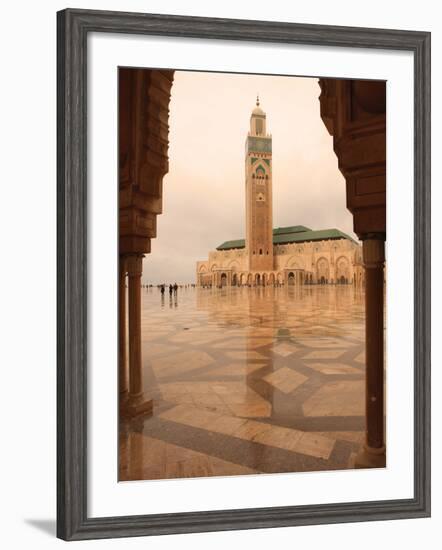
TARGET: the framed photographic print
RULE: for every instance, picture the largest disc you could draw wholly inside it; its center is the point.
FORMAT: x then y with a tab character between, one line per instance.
243	274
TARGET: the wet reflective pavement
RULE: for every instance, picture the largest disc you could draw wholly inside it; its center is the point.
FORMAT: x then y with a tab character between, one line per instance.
247	381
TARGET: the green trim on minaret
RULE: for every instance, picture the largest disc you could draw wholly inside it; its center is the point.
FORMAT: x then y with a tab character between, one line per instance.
258	144
256	159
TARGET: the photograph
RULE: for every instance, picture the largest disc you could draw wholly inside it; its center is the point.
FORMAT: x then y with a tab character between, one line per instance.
242	312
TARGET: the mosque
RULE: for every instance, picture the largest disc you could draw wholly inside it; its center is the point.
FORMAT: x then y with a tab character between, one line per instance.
295	255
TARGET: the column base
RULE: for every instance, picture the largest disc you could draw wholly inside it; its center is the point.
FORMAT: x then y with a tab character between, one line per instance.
369	457
131	406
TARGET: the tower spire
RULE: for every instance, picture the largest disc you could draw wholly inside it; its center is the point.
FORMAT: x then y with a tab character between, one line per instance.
258	164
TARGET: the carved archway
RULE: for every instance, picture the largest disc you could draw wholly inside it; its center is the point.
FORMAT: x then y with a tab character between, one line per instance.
294	263
203	276
342	268
322	270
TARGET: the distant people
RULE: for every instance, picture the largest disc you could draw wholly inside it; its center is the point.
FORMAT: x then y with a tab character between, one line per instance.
162	290
175	288
170	289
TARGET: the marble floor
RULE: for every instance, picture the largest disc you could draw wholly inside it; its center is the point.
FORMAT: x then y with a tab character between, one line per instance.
248	381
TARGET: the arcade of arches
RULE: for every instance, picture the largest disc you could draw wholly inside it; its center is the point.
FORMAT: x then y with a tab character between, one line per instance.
354	114
327	261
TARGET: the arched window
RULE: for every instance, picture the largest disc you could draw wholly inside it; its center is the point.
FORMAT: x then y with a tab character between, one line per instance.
260	251
260	173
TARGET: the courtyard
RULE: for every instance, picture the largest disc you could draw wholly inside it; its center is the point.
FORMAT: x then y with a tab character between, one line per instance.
248	380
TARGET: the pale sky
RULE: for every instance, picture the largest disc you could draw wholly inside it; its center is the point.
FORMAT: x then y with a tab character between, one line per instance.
204	191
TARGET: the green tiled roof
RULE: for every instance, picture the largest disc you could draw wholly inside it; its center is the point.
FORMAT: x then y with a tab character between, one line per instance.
291	229
239	243
310	235
293	234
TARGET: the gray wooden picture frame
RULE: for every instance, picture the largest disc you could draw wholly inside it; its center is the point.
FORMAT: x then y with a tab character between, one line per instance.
73	27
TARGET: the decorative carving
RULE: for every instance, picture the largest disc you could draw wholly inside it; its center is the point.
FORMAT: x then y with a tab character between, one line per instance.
144	97
373	251
134	265
354	114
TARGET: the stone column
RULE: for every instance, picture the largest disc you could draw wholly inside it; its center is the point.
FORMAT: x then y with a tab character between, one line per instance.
373	454
122	350
136	403
134	268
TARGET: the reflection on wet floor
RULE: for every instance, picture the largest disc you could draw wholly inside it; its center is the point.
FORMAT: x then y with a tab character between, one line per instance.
248	380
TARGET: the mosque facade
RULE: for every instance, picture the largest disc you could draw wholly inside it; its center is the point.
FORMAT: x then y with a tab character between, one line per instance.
295	255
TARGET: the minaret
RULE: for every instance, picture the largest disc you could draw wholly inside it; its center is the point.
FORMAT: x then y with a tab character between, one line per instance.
259	235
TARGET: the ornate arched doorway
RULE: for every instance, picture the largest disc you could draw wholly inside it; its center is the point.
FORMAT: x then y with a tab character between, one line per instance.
203	276
343	273
323	270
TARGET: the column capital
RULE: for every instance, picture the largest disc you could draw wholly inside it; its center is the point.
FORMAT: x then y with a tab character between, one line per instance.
123	265
373	251
134	264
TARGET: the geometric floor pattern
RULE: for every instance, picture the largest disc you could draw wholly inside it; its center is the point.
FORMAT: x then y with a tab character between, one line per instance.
248	381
